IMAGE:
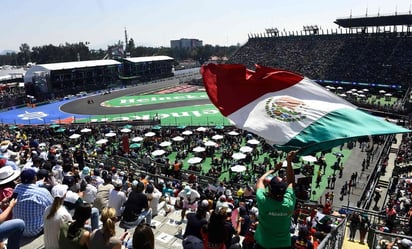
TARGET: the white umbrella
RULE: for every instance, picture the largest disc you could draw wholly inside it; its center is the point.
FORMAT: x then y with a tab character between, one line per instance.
217	137
382	91
149	134
137	139
187	132
194	160
245	149
102	141
75	136
84	130
388	94
339	88
165	144
125	130
199	149
158	152
253	141
238	156
178	138
233	133
342	95
210	143
365	90
309	158
238	168
110	134
202	129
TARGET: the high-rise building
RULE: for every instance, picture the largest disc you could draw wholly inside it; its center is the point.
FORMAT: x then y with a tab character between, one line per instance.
186	43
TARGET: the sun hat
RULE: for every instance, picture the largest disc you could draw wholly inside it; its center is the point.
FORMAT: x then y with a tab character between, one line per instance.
59	190
8	174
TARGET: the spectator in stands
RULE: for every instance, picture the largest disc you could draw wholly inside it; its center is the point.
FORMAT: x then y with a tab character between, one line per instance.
136	208
11	229
143	238
355	220
363	227
189	197
303	240
54	216
117	197
390	213
192	237
275	206
215	234
32	200
103	191
153	195
73	199
104	238
89	191
73	235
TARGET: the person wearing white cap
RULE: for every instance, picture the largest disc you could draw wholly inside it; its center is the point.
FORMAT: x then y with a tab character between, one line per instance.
53	217
190	198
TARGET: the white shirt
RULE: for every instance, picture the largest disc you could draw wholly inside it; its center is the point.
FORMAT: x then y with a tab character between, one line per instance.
52	226
154	202
116	201
89	194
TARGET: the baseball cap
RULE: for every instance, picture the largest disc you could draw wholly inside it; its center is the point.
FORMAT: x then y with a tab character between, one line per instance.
117	183
59	190
187	190
277	188
27	175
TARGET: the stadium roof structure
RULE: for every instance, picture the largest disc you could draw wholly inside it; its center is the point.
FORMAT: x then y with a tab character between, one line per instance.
46	68
375	21
77	64
148	58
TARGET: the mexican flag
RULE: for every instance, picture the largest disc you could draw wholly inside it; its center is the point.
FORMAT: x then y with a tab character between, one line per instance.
290	111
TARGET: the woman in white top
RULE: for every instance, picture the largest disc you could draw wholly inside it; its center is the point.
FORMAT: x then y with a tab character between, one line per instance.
54	216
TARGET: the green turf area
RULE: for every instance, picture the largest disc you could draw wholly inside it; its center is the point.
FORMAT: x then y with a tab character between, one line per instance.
126	101
199	115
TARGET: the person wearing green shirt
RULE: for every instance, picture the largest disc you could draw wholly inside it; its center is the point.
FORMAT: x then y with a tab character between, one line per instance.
276	204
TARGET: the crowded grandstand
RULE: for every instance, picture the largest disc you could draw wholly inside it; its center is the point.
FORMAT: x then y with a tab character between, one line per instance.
368	68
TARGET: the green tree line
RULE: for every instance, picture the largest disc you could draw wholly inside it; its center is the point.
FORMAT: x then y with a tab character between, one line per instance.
80	51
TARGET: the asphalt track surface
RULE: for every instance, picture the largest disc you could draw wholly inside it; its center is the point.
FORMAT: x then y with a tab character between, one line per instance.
80	106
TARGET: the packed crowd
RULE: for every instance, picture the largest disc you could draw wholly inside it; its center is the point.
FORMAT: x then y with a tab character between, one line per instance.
333	57
59	185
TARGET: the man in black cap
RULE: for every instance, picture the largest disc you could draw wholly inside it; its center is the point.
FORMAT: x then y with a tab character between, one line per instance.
276	206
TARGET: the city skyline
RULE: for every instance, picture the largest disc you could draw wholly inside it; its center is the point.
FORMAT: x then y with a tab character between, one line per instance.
155	23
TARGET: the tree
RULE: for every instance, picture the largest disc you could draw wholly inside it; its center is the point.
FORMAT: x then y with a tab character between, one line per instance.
24	54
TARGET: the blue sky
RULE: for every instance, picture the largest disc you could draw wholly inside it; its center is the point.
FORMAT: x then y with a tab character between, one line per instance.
156	22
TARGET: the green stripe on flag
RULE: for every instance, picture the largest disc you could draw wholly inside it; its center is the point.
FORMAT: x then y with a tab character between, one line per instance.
338	127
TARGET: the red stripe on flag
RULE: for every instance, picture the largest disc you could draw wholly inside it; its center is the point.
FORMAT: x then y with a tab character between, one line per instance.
232	86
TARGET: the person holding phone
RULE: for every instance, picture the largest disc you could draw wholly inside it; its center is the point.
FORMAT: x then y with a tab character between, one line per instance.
10	229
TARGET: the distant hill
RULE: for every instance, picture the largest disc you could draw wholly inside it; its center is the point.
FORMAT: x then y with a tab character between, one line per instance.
4	52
